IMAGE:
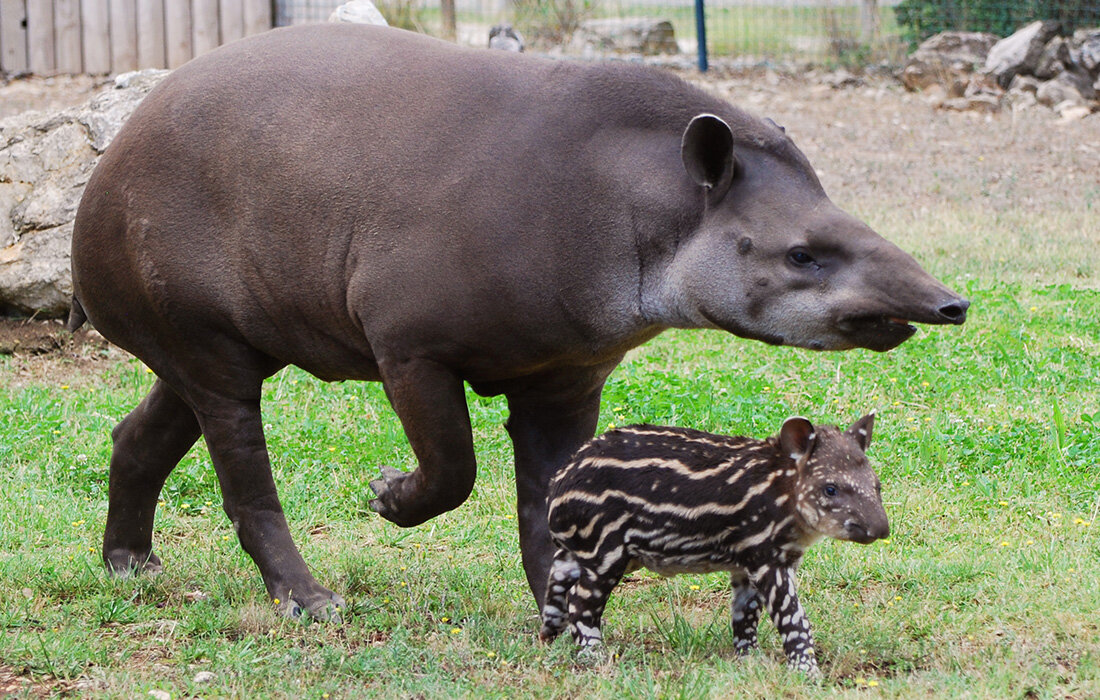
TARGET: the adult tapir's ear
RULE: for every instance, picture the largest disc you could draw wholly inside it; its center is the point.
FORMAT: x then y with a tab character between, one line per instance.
707	151
861	430
797	439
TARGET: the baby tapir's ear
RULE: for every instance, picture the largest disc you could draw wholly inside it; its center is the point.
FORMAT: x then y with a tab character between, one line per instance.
797	438
861	430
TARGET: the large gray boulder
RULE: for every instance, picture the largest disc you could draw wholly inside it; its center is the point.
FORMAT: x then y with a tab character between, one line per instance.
45	161
1020	53
1085	47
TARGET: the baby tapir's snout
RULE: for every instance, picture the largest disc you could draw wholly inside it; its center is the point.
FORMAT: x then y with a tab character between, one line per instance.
678	500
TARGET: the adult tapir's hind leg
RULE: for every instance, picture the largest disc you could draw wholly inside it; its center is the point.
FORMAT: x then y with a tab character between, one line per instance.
148	444
233	430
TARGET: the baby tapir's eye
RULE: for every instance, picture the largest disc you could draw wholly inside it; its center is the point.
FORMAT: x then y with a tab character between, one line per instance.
829	490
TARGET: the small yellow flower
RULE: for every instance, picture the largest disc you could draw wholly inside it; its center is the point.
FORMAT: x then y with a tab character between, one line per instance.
925	384
490	654
1004	544
694	587
277	601
1034	308
225	538
456	630
332	449
872	684
1002	503
1030	542
185	506
64	386
861	681
445	619
1078	521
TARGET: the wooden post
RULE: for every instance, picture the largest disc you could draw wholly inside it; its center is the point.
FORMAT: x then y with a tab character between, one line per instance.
257	16
177	32
450	28
40	37
13	36
232	20
66	14
150	33
124	48
204	27
95	20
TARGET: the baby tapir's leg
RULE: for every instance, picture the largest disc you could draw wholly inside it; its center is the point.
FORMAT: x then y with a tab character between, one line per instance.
744	612
588	598
777	587
564	572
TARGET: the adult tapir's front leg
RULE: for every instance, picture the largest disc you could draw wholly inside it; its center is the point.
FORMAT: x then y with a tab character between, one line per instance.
548	422
430	401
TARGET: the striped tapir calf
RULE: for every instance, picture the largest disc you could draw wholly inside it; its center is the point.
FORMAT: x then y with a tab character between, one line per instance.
675	500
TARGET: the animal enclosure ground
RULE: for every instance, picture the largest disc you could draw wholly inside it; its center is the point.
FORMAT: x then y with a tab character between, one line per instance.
986	441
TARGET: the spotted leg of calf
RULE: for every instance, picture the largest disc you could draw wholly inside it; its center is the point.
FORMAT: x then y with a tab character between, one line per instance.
777	587
564	573
587	599
744	612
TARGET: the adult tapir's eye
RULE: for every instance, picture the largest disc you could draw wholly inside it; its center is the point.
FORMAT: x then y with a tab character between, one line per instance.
829	490
800	257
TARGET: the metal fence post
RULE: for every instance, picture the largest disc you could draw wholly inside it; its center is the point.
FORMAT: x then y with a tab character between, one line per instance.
701	34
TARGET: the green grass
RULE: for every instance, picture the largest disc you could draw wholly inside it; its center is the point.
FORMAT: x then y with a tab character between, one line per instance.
986	443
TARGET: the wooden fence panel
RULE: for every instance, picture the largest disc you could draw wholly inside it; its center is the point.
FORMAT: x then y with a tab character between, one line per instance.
95	19
115	36
204	29
231	16
257	16
41	48
66	17
13	36
150	31
124	49
177	32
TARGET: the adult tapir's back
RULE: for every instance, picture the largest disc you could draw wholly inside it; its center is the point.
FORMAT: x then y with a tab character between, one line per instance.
388	188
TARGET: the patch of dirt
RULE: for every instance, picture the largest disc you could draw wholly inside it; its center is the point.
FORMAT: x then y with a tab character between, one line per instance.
14	683
44	352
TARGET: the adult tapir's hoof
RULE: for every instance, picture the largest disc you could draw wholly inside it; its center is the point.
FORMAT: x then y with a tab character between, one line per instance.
124	563
389	503
323	605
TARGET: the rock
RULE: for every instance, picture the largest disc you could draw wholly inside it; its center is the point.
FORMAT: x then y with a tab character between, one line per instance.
503	37
203	677
1054	59
947	59
1085	45
1070	112
626	35
1020	52
160	695
358	12
1024	83
1070	85
45	162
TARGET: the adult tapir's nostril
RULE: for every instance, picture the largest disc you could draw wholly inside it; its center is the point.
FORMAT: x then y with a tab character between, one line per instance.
955	312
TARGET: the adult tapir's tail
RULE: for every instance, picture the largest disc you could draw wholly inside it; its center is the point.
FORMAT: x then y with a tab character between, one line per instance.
77	317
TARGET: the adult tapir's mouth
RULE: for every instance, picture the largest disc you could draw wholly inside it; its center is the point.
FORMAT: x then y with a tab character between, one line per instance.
879	333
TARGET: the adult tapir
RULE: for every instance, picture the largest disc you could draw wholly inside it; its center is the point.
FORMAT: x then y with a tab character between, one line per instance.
367	203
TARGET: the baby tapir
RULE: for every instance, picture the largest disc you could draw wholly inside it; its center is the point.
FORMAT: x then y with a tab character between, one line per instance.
675	500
